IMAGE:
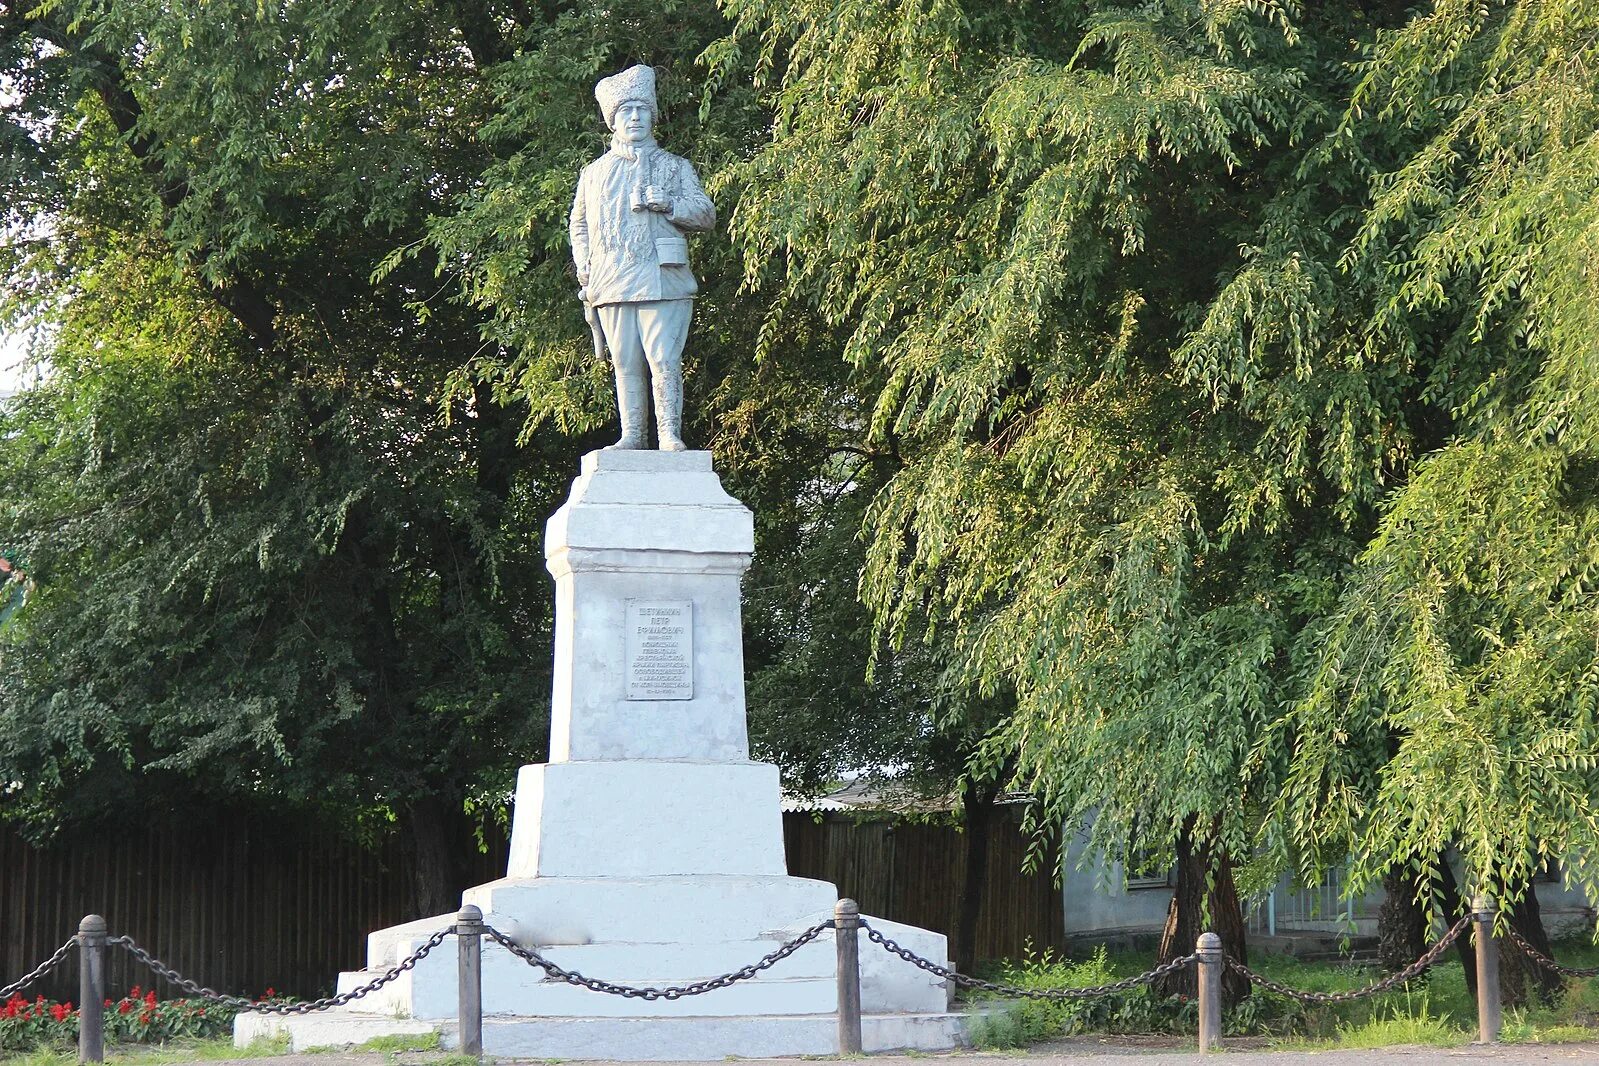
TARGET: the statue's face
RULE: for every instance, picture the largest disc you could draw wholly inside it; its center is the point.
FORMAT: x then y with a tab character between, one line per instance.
634	121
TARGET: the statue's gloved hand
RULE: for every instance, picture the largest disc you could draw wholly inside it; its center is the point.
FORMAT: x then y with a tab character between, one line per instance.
656	199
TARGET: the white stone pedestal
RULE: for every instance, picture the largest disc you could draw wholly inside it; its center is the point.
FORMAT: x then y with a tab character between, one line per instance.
649	850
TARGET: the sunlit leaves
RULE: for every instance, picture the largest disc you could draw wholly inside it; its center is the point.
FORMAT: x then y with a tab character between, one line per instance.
1184	314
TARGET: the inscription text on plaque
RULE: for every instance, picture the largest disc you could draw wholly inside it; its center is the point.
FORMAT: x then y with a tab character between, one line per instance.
660	649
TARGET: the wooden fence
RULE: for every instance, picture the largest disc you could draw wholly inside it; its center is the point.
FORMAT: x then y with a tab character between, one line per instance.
243	909
909	872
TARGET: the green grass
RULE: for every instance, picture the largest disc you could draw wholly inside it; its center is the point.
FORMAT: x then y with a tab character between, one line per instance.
1402	1031
998	1024
222	1048
1412	1019
395	1045
1435	1011
1415	1024
397	1042
998	1030
1554	1034
156	1054
50	1057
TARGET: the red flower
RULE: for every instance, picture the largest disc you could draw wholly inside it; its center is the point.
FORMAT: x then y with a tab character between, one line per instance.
144	1018
270	992
133	993
59	1012
149	1000
125	1006
108	1003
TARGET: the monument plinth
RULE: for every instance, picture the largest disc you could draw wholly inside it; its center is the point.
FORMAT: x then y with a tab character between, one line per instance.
645	533
649	771
649	849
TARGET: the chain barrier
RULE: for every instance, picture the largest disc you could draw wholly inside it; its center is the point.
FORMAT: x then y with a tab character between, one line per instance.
532	957
1546	962
1427	959
1011	990
194	988
39	971
572	977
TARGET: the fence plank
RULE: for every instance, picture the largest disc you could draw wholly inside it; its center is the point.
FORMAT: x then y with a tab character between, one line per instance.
911	872
243	907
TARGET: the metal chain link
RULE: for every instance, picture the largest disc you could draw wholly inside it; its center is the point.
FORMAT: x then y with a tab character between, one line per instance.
1545	961
194	988
40	970
572	977
1427	958
1011	990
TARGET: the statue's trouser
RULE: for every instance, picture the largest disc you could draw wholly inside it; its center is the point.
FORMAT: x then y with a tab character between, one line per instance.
646	342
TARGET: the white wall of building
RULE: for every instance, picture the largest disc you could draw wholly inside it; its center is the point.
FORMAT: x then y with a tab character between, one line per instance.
1099	902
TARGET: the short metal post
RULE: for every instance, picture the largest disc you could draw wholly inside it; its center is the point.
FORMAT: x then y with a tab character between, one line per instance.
846	934
91	989
1489	1012
469	1004
1210	967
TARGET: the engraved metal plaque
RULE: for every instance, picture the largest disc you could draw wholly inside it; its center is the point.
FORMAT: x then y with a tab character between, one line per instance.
660	649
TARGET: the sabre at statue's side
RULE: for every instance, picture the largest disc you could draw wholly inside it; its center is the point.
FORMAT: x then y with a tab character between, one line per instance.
632	208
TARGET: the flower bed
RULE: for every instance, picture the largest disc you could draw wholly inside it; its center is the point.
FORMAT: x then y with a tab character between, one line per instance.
137	1018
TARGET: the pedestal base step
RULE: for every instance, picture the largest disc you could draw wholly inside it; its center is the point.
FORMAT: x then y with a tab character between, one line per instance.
512	988
625	1039
767	911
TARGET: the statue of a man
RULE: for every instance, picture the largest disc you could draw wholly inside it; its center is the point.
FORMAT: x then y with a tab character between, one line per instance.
632	207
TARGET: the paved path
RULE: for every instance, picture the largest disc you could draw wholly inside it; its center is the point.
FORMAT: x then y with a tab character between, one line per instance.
1088	1052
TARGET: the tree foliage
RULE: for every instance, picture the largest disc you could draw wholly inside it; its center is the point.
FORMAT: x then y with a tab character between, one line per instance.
1178	409
318	378
279	564
1205	328
1467	627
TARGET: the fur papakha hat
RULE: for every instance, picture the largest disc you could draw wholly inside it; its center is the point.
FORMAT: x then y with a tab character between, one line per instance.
634	83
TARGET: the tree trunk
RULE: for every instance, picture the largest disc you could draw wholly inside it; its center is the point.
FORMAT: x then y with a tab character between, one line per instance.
1519	977
978	809
1401	923
1454	907
435	881
1205	900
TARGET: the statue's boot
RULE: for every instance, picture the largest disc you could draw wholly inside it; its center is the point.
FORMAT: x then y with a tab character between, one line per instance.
669	407
632	401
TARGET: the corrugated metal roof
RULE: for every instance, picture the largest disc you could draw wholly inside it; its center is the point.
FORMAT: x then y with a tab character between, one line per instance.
869	794
882	794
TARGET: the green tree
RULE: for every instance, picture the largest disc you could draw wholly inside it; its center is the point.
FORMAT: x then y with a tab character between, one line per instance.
320	376
1176	306
280	563
1462	645
1021	210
